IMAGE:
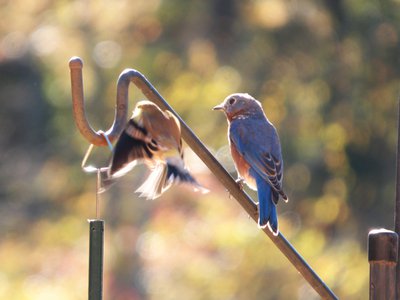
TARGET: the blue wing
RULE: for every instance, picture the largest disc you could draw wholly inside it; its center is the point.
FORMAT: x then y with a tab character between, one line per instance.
259	145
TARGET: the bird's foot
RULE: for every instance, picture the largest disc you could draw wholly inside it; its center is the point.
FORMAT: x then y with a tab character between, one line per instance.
240	182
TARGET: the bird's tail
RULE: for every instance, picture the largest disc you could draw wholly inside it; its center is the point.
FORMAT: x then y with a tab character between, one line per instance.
177	173
163	175
267	209
273	220
155	184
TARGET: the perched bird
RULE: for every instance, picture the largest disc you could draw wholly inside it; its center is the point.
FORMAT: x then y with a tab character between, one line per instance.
256	151
152	136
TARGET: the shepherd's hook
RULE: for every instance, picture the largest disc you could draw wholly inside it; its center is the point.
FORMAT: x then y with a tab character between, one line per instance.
78	105
131	75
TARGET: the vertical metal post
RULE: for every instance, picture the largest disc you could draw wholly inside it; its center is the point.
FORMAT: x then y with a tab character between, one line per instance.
96	251
382	256
397	204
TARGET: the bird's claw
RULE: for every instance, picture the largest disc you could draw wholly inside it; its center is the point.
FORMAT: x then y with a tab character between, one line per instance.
240	182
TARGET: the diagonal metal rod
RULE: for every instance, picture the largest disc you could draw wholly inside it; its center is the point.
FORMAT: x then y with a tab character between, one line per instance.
130	75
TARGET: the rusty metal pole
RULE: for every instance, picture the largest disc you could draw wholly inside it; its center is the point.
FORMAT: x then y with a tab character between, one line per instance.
78	106
382	256
134	76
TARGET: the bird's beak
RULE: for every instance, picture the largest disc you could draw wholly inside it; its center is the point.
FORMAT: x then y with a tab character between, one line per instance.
219	107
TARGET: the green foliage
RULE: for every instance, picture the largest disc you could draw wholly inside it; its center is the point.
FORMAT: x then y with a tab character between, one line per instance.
327	75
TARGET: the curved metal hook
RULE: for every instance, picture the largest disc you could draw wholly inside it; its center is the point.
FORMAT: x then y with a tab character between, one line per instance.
126	77
95	138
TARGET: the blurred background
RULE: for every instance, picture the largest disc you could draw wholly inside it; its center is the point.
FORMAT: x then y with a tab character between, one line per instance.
327	74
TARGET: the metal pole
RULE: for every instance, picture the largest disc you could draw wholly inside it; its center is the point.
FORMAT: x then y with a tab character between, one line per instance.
130	75
382	256
96	252
397	204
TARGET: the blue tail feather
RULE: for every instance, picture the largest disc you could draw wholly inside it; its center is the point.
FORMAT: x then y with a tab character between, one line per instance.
273	220
264	204
266	207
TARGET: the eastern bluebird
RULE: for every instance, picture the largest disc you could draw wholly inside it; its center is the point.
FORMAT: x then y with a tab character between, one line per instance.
256	152
152	136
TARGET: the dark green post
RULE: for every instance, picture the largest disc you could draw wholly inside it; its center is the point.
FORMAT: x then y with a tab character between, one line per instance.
96	251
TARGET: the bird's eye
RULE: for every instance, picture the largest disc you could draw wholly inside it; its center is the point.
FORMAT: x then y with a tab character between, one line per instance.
232	100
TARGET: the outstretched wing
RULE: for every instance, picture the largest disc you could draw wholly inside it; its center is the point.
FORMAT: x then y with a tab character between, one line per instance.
132	145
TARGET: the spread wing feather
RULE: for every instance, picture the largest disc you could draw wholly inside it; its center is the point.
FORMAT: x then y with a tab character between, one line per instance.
132	145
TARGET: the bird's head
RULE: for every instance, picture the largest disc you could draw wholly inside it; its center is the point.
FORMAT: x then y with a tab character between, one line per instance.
239	104
146	107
